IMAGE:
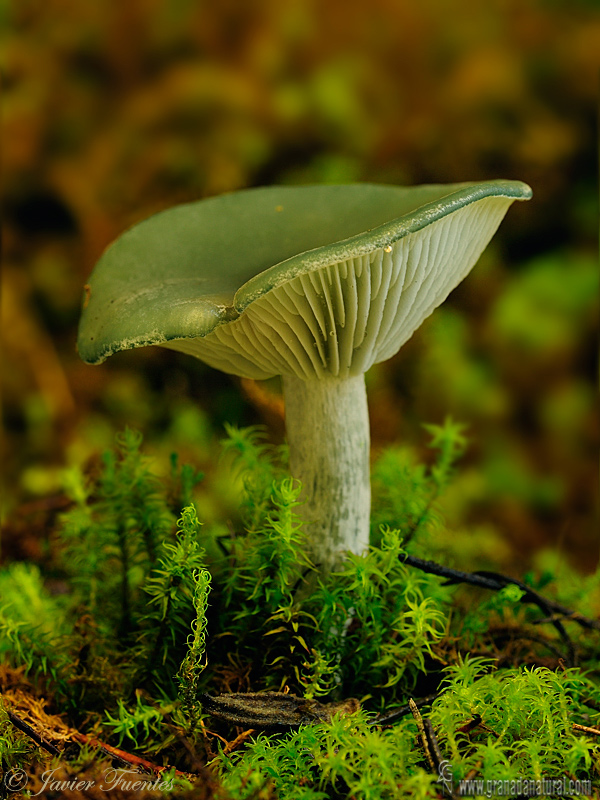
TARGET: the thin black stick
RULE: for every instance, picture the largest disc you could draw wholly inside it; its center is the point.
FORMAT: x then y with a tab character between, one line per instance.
33	734
403	711
495	581
434	745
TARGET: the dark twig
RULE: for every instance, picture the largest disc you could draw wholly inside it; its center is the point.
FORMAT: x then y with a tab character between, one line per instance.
452	575
403	711
564	614
25	728
433	753
495	582
473	723
434	745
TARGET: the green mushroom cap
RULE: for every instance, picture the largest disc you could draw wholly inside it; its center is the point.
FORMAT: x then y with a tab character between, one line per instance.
311	281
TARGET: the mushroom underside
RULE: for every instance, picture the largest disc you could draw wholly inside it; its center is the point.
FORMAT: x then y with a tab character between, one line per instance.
340	319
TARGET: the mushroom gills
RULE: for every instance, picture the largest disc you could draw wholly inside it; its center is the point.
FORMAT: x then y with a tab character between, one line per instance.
338	320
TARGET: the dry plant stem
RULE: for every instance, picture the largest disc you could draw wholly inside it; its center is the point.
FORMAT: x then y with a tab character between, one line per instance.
127	758
121	755
327	424
586	729
239	740
425	743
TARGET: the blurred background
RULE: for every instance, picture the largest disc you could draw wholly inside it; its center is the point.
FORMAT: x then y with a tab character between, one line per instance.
115	110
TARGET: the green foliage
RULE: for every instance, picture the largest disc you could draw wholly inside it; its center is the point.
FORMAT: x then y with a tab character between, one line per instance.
449	439
401	490
257	464
178	583
347	758
319	675
15	748
193	664
137	722
497	607
137	584
514	706
34	630
154	609
375	619
352	758
404	492
264	570
186	477
267	562
374	608
109	545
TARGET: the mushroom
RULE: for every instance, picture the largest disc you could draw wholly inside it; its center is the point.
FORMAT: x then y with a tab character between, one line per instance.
313	283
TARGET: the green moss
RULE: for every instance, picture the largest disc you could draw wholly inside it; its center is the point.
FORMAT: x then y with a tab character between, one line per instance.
140	608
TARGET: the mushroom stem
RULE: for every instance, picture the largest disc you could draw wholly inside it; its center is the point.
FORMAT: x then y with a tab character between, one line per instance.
327	424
